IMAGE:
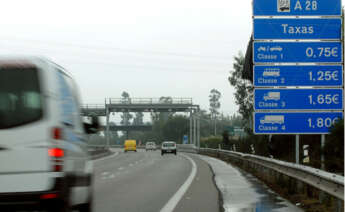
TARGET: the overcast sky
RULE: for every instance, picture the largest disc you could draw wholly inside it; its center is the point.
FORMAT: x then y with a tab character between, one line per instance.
151	48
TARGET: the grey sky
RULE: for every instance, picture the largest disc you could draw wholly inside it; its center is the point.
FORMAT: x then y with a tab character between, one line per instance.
152	48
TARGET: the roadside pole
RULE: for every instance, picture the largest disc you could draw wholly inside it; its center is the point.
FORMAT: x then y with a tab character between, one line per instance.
194	130
190	127
198	133
323	141
107	127
297	149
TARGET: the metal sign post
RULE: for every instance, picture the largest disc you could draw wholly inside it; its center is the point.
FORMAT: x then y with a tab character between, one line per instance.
323	141
297	149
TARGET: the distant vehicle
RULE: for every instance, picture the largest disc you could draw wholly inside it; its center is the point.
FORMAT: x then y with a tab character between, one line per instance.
150	146
272	96
271	119
130	145
168	147
43	153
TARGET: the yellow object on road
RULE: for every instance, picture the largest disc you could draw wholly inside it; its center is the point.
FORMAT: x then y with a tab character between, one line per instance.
130	145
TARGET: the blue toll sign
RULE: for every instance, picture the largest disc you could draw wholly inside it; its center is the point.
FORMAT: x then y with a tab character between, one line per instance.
298	99
269	28
185	139
295	123
321	75
297	52
296	7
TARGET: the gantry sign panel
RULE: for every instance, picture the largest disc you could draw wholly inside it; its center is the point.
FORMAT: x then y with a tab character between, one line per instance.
297	43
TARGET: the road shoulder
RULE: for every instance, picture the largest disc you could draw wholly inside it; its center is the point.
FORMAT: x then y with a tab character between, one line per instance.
203	194
243	192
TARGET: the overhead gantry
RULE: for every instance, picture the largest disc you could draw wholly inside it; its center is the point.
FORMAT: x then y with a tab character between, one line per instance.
127	105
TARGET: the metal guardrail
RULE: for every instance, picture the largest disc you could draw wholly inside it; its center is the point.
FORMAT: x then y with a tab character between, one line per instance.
327	182
150	101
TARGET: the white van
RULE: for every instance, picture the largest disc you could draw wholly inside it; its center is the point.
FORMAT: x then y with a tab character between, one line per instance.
44	161
150	146
168	147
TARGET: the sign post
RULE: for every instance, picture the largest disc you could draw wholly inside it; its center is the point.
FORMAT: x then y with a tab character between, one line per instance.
297	149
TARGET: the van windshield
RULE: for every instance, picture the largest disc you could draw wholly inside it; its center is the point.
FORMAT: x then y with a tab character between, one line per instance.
20	97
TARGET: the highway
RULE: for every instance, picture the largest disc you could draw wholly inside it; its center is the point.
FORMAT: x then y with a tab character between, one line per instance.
146	181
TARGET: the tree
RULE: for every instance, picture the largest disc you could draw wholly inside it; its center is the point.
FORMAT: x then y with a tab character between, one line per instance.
138	119
214	97
175	128
205	123
244	90
126	116
114	137
334	149
226	140
162	116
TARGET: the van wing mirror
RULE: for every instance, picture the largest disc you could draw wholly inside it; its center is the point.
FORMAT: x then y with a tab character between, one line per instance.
93	127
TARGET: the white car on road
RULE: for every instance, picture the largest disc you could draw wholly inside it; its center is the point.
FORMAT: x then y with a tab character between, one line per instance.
168	147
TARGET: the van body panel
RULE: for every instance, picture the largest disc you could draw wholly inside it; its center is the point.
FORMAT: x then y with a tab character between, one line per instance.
27	182
32	157
25	165
23	143
130	145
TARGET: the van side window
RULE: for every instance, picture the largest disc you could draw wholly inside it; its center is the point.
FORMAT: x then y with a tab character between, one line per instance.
67	102
76	114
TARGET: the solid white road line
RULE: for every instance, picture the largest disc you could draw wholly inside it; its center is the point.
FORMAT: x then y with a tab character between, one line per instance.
171	204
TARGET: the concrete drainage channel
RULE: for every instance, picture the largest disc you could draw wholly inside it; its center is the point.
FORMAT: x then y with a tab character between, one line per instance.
312	192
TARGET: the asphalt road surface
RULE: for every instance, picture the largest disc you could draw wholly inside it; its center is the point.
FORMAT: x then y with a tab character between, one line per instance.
146	181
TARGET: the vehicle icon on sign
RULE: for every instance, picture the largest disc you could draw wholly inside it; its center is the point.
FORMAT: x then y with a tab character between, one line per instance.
272	96
271	119
271	73
283	5
261	49
276	48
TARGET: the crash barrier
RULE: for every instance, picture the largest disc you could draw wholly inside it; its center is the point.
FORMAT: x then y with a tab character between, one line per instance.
293	176
187	148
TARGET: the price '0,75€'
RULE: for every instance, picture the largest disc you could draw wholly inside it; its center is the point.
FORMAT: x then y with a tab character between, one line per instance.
320	52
